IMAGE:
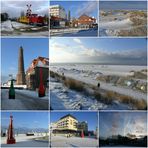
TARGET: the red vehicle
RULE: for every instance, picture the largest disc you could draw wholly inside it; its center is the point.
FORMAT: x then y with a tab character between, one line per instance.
37	20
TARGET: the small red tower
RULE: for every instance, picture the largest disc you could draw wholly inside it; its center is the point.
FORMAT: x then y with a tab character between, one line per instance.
41	91
10	138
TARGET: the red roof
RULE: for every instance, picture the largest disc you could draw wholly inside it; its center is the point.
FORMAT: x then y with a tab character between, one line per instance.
85	17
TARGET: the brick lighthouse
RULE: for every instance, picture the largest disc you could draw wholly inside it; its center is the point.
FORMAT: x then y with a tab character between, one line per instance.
21	72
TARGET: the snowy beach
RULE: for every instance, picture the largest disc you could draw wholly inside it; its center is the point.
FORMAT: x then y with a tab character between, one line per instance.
89	73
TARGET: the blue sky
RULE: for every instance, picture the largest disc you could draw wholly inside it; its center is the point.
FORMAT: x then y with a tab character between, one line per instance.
26	119
114	123
78	8
122	5
33	47
90	117
130	51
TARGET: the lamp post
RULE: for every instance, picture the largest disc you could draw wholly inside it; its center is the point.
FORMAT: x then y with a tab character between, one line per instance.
11	89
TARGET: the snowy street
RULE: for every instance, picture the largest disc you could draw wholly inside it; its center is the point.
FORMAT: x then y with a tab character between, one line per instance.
60	141
25	141
76	33
24	99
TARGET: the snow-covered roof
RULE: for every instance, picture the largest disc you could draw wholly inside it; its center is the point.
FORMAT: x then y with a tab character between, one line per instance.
84	17
39	62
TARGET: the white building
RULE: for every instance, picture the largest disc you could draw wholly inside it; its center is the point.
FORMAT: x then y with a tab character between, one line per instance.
53	126
57	11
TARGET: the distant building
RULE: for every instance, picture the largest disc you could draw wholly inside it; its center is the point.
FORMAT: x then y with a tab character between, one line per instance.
85	21
66	124
96	132
82	126
33	73
4	16
57	22
8	83
57	11
58	17
53	126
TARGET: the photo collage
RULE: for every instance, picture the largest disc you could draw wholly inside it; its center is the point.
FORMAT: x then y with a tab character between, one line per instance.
75	73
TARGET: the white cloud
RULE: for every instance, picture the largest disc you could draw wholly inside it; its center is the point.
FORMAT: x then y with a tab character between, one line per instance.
69	52
14	8
61	53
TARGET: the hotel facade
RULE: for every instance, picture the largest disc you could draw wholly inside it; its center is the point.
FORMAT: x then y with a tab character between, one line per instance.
68	124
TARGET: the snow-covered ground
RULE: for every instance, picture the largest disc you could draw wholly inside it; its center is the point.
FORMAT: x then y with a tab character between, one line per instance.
6	26
32	94
12	28
24	99
60	141
109	26
117	24
35	34
65	30
120	147
88	74
112	24
18	25
62	98
25	141
16	86
76	33
120	70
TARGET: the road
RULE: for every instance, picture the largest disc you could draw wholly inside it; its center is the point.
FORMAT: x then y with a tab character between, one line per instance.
23	101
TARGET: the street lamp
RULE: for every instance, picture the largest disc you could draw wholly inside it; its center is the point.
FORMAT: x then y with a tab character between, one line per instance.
11	89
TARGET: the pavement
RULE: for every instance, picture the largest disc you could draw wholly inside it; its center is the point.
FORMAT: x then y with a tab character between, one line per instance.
24	141
60	141
22	101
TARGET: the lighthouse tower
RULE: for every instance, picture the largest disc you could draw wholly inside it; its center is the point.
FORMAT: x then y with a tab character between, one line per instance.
21	72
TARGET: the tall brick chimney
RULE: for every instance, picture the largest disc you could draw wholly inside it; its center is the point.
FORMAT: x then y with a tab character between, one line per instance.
21	72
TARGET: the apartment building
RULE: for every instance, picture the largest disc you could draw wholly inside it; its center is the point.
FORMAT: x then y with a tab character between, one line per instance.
82	126
66	124
58	11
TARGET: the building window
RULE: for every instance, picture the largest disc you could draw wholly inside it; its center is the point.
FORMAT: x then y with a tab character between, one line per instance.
71	122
